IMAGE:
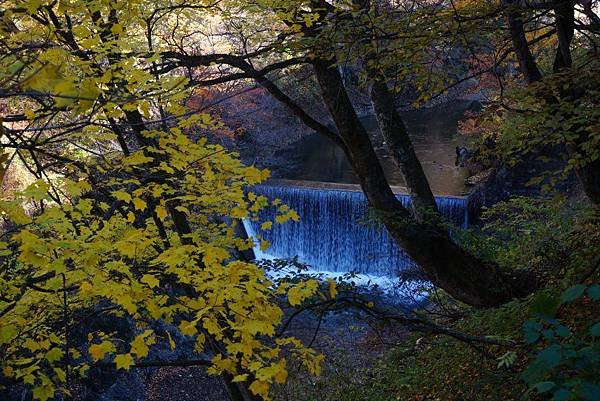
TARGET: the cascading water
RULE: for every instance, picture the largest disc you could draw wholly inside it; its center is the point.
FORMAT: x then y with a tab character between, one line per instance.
330	235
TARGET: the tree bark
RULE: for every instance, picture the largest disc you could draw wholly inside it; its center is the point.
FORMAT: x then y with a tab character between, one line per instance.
527	64
565	29
396	136
589	174
401	149
461	274
234	390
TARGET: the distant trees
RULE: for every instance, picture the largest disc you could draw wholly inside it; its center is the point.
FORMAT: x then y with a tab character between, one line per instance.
400	43
324	32
562	100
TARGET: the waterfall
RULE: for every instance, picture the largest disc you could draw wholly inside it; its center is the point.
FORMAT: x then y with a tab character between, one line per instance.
330	235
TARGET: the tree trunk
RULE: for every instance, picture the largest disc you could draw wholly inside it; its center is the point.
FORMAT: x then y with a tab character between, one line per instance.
233	390
527	64
565	29
401	149
588	175
461	274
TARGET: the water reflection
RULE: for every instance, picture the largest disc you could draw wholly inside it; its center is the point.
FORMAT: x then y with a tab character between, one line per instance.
434	136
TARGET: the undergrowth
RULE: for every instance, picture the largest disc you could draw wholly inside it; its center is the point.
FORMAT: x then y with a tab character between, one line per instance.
562	244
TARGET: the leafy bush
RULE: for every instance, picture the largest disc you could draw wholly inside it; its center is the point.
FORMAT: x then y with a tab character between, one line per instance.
566	363
550	236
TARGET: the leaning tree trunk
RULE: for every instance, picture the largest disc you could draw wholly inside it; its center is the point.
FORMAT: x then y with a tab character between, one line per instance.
589	176
401	149
461	274
527	64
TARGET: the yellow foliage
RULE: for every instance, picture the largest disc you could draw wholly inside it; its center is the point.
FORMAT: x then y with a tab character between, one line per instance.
98	351
132	231
332	288
124	361
302	291
260	387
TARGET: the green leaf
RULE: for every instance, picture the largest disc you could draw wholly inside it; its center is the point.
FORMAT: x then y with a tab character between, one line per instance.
550	356
544	304
595	330
562	394
594	292
548	334
573	293
590	391
562	331
532	331
531	336
543	387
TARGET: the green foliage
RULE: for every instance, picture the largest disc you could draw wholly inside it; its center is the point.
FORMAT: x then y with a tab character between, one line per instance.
554	120
566	363
554	237
558	240
561	112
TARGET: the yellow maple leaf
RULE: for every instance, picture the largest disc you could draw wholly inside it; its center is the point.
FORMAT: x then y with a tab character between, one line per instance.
297	294
171	342
43	392
139	347
150	280
122	196
240	378
98	351
332	288
260	387
137	157
124	361
30	114
139	204
85	288
116	29
281	375
54	354
161	212
188	328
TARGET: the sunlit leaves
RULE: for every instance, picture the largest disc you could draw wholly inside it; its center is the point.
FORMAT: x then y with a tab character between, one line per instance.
332	288
124	361
98	351
113	259
129	219
302	291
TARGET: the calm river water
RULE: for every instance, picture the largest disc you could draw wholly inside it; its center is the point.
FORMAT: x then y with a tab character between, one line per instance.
434	135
